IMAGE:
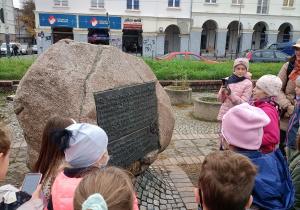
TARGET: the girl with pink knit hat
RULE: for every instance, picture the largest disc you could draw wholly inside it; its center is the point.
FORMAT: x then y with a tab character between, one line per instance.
239	88
265	97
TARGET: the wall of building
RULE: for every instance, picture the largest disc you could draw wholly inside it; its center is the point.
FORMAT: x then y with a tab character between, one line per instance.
10	22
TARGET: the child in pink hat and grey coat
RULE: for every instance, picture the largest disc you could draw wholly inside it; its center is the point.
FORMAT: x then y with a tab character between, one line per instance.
240	85
265	97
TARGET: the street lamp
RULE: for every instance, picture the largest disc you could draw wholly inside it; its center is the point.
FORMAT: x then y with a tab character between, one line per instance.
239	31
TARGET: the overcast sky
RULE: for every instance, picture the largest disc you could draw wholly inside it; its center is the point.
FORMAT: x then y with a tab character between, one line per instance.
17	3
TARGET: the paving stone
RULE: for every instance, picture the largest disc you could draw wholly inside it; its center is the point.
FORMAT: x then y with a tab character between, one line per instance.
143	208
195	160
180	160
162	207
173	161
149	200
156	202
150	207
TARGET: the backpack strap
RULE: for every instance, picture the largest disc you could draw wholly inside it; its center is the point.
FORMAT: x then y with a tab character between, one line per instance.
290	69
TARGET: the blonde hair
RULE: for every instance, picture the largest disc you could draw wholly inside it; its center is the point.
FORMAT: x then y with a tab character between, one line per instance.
4	139
113	183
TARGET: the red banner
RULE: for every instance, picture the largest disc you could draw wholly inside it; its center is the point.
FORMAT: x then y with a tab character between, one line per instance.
133	26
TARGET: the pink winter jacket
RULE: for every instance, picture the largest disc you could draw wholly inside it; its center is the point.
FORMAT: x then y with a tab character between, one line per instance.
240	93
271	132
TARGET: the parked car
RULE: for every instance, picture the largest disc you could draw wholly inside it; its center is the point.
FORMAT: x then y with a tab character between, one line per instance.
265	56
283	47
11	44
24	49
185	56
34	49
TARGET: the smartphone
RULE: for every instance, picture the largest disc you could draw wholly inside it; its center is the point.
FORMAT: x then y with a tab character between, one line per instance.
31	182
224	82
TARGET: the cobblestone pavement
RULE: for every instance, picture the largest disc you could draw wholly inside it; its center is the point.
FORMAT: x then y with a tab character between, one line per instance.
192	140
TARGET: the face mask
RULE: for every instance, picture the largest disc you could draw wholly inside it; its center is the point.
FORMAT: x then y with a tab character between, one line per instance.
101	165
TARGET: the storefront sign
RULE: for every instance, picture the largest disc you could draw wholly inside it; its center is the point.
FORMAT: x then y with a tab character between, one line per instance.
58	20
133	24
99	22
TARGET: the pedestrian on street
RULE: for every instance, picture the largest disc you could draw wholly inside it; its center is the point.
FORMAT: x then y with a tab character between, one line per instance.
265	97
288	75
238	90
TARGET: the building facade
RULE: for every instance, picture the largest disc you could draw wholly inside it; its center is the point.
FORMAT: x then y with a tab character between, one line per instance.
261	23
151	28
9	13
22	34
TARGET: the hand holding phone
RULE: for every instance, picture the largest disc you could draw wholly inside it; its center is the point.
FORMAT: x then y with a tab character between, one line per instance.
225	83
31	182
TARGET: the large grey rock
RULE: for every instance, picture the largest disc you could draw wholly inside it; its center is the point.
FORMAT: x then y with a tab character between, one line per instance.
62	82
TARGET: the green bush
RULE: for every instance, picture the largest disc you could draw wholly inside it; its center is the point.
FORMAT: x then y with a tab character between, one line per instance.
177	69
14	68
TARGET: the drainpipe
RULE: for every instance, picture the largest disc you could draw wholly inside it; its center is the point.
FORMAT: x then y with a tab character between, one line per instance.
239	31
190	26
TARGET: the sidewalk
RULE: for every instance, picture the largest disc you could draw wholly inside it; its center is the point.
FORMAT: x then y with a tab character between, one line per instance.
165	185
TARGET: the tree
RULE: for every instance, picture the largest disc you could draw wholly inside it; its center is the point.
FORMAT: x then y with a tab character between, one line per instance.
28	17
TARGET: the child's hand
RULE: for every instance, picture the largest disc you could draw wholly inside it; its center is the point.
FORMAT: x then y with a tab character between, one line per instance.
36	193
224	90
290	110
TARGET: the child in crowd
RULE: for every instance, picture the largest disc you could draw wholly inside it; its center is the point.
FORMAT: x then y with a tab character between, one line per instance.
85	148
293	126
109	188
294	166
265	97
240	85
225	182
51	161
242	131
11	197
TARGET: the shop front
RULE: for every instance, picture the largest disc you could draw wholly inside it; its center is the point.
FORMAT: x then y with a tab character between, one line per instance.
132	35
98	28
62	25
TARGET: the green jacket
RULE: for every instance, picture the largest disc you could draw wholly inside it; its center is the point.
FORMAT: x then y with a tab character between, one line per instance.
294	166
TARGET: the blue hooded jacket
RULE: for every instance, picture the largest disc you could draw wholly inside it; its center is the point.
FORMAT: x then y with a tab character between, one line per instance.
273	188
293	126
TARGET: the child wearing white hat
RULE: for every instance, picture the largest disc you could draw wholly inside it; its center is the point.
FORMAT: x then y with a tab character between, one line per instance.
265	97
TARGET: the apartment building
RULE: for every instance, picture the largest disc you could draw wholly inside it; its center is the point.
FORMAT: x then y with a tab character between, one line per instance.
10	21
152	28
261	23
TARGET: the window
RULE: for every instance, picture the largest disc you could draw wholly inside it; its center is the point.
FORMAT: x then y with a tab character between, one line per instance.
97	3
133	4
173	3
194	58
211	1
257	54
288	3
281	47
267	54
262	7
237	1
61	2
281	55
180	57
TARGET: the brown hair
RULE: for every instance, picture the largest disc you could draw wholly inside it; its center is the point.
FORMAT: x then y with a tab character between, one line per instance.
226	180
50	157
291	59
4	139
113	183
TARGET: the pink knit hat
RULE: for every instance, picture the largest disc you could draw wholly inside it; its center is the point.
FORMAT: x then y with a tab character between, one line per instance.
242	126
270	84
243	61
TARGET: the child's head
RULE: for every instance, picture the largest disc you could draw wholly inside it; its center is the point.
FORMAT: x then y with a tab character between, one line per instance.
49	156
297	89
240	66
83	144
267	86
110	186
4	150
226	181
242	127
